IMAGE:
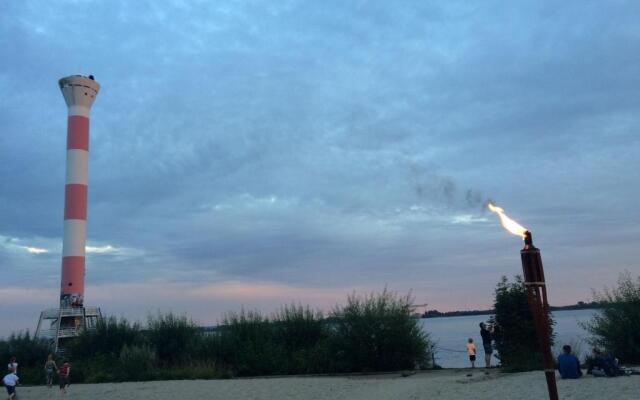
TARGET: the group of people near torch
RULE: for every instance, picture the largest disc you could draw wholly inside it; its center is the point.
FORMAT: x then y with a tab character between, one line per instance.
11	379
602	364
486	333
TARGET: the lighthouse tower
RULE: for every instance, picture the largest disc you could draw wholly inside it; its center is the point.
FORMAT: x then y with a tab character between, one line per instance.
72	316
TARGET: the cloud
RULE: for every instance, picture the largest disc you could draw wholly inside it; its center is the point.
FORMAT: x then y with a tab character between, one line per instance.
100	249
323	145
466	219
107	249
13	244
36	250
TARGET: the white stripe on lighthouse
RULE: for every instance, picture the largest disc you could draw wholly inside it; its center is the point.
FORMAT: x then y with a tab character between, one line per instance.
74	237
79	110
77	166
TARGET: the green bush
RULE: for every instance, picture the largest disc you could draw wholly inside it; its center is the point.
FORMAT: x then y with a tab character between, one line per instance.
97	369
370	333
376	332
107	339
301	335
30	353
616	326
290	342
246	345
175	339
515	334
297	327
373	333
136	363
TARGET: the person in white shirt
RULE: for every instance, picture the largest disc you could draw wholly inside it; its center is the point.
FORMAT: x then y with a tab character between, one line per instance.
10	381
13	365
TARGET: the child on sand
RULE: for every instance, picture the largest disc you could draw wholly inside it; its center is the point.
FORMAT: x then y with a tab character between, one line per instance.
471	349
63	375
13	365
10	381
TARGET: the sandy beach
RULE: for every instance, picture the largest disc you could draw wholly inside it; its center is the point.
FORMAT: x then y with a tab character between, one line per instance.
445	384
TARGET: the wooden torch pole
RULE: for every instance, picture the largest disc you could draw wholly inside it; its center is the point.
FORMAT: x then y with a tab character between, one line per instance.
537	298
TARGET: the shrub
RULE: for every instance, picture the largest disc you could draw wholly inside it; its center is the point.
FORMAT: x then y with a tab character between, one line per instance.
245	344
97	369
175	339
136	363
107	339
297	327
95	354
616	326
370	333
377	333
290	342
301	335
30	353
515	334
373	333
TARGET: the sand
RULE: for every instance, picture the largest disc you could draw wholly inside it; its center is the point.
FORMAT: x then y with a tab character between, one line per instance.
445	384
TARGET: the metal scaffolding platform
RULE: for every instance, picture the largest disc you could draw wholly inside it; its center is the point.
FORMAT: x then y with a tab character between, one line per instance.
58	325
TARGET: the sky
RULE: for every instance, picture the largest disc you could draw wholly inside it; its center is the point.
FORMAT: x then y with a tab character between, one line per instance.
250	154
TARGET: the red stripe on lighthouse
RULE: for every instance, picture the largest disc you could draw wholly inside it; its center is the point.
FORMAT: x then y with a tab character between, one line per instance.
78	133
72	275
75	201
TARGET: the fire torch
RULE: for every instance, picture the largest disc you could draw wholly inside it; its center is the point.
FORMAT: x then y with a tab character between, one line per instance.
536	295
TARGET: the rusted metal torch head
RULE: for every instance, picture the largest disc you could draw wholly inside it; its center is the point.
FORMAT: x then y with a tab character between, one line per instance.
528	240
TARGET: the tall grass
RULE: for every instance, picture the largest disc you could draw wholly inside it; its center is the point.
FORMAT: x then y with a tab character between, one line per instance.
244	345
175	339
288	342
107	339
118	350
370	333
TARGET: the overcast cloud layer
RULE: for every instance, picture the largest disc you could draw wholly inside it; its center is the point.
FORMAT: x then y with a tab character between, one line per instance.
258	153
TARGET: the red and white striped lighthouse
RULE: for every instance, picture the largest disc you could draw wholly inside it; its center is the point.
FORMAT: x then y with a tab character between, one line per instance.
79	93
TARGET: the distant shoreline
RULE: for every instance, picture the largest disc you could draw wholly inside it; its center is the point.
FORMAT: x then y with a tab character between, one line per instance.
437	314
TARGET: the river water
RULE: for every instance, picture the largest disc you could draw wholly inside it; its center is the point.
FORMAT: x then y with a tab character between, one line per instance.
451	333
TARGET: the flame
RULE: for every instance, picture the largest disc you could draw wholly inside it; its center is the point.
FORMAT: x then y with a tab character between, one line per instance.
508	224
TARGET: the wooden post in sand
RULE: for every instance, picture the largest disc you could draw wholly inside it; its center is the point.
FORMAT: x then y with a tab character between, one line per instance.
537	298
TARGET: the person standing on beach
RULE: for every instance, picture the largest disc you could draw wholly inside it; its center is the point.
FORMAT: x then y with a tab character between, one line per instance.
487	338
13	365
50	368
10	381
471	350
63	376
